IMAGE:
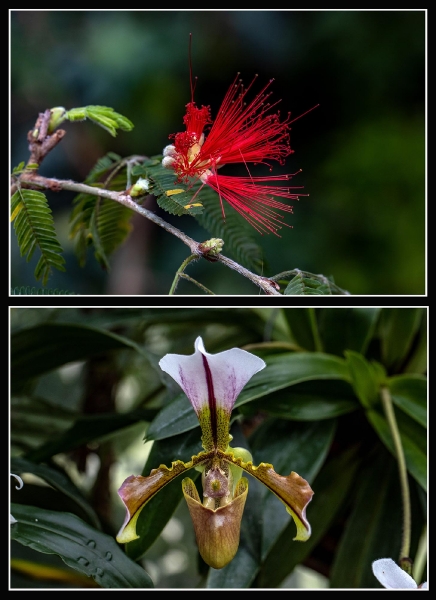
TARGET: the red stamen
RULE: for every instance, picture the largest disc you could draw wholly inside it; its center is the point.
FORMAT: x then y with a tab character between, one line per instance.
246	132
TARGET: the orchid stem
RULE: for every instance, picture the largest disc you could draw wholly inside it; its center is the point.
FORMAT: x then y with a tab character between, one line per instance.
180	270
421	557
315	330
404	483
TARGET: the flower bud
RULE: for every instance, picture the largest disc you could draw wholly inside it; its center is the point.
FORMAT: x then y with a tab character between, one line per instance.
169	150
57	116
168	162
141	187
211	248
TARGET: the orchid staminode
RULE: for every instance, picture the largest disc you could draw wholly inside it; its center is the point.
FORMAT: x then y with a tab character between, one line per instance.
391	576
212	383
243	132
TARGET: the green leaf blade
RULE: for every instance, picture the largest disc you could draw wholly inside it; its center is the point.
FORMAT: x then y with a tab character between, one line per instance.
59	481
79	545
409	392
307	401
347	328
399	327
37	350
365	378
373	529
413	439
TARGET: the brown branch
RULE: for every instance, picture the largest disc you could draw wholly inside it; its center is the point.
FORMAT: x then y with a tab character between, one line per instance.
33	180
40	143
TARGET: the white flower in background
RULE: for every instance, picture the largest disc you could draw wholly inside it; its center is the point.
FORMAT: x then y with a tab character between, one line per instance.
17	487
392	576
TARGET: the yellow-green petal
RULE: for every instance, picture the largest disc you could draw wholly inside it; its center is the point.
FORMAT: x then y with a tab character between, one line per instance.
136	491
293	490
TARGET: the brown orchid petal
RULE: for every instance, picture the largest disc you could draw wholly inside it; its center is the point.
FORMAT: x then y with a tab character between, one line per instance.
136	491
217	531
293	491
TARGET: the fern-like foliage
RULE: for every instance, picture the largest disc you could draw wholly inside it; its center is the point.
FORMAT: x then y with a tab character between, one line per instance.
301	283
110	226
104	116
171	196
32	291
239	238
102	166
80	219
97	221
34	227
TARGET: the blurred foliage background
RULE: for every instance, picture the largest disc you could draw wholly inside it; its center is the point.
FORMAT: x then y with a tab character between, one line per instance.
87	392
362	151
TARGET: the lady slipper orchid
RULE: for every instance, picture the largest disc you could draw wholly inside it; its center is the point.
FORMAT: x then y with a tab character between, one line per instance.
243	132
212	383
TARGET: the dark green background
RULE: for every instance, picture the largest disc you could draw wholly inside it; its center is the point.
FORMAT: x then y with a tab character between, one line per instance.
362	151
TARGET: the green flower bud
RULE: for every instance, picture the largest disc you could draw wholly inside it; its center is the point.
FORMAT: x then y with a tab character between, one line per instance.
211	248
141	187
57	117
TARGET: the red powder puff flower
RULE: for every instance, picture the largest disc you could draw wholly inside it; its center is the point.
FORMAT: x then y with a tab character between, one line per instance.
241	133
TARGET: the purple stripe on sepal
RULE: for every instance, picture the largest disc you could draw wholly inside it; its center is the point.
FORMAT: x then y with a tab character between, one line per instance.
211	399
226	374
